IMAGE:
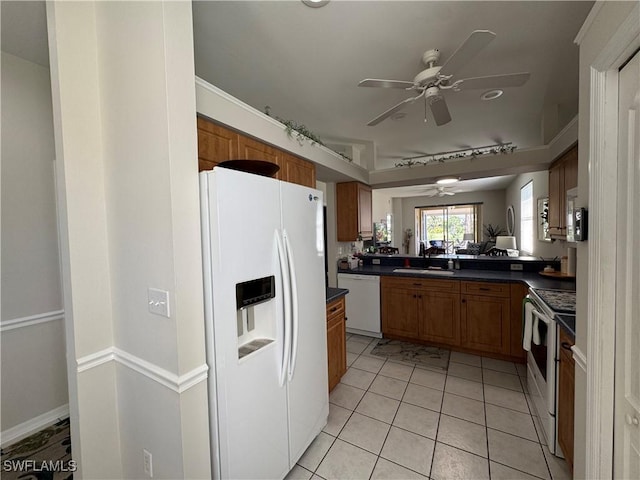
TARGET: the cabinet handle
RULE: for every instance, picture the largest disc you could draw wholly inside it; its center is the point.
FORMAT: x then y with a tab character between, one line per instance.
464	300
417	284
565	345
419	296
414	295
484	289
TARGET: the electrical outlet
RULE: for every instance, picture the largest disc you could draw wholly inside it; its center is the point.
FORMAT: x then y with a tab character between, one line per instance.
375	261
516	267
148	463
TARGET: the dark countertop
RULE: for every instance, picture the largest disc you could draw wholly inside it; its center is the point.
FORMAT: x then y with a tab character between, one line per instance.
531	279
335	293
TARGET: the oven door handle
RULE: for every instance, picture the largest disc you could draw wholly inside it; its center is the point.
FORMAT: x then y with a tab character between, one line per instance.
542	317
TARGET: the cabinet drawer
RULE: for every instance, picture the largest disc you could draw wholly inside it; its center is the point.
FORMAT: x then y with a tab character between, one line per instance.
431	284
335	309
486	288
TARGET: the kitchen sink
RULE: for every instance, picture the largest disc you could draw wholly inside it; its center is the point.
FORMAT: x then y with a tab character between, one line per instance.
423	272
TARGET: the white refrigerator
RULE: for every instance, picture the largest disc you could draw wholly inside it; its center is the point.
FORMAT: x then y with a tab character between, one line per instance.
265	324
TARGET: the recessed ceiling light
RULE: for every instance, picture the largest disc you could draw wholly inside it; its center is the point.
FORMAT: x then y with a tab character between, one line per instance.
447	180
315	3
491	94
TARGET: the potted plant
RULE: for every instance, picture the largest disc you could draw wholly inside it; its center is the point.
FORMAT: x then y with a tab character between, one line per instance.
492	231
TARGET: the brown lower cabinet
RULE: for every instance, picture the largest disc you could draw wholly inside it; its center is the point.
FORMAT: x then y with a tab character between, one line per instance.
471	316
566	394
424	309
485	317
336	342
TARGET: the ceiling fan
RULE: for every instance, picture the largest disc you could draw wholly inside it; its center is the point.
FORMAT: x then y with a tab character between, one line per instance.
440	192
431	82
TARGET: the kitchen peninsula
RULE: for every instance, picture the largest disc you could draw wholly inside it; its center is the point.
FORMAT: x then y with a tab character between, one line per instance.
476	308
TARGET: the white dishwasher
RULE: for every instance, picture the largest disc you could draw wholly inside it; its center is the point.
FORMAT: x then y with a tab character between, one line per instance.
363	303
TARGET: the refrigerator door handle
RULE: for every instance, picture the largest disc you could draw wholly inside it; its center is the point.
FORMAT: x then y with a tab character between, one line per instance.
294	304
286	296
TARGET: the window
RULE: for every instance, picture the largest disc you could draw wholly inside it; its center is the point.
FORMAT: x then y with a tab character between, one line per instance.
526	218
445	226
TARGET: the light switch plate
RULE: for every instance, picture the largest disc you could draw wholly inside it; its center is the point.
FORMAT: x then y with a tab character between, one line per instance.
158	302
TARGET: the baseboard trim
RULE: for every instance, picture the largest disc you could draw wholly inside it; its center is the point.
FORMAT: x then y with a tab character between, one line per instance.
31	320
23	430
178	384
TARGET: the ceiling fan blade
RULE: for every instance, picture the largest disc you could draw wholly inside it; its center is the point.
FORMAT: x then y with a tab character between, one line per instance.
439	110
447	193
493	81
465	52
392	110
374	82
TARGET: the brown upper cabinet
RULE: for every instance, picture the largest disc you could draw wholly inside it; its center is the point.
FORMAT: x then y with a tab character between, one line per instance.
563	176
217	143
354	211
296	170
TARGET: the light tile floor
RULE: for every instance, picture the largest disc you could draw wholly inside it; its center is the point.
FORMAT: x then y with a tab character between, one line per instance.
391	420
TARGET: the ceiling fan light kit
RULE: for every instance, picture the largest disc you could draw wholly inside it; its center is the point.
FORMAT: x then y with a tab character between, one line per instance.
447	180
430	82
315	3
491	94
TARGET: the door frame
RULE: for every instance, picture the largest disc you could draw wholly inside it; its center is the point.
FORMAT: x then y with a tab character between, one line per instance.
601	318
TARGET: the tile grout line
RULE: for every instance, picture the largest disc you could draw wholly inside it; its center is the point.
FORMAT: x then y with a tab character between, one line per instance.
486	423
392	420
400	401
542	447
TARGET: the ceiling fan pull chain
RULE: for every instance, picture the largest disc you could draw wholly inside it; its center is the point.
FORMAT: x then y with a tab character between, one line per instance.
425	109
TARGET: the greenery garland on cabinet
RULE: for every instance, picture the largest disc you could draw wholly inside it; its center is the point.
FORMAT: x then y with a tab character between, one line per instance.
301	133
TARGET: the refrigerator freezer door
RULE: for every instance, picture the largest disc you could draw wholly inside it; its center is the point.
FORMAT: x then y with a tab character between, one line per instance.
302	219
249	407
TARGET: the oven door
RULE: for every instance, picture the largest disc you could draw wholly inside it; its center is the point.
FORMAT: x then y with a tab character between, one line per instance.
541	373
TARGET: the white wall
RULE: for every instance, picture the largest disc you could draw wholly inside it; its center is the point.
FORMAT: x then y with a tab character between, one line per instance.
540	190
34	374
493	209
124	104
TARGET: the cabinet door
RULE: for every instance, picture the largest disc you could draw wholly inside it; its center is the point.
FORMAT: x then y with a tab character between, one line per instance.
485	323
250	149
571	169
353	211
556	200
365	215
297	170
439	317
399	313
215	144
336	351
346	212
566	394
